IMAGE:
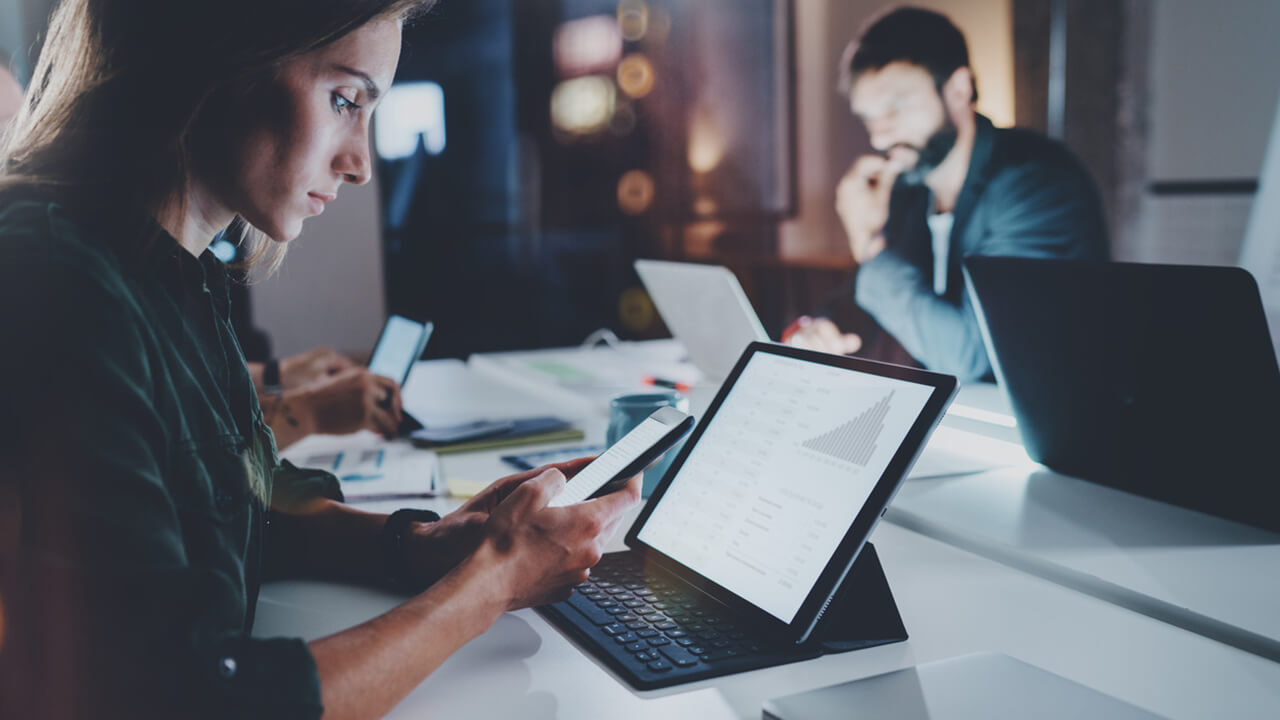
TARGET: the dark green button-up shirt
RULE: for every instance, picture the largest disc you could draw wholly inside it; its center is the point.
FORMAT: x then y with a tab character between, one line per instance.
144	477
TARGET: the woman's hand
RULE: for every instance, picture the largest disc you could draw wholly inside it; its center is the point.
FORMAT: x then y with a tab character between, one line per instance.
354	399
433	549
538	553
312	365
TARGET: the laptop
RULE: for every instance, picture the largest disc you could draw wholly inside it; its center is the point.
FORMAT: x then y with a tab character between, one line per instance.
705	309
1158	380
990	686
735	558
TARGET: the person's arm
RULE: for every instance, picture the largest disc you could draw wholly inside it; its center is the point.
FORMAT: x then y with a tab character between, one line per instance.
114	603
1029	211
515	552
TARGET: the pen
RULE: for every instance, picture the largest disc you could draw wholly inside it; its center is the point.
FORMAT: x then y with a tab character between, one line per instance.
663	382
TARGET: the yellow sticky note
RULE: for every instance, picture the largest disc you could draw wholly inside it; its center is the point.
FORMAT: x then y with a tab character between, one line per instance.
464	489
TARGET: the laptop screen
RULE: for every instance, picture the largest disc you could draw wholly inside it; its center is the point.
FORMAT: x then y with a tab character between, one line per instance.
777	478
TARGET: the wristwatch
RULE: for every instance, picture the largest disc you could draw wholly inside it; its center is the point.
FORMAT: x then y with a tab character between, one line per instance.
271	375
393	557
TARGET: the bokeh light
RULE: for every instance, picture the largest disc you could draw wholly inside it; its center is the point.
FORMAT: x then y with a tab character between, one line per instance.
635	75
583	105
409	111
587	45
706	142
635	192
633	19
635	309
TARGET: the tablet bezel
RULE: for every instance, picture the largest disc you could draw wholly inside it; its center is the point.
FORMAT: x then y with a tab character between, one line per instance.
840	562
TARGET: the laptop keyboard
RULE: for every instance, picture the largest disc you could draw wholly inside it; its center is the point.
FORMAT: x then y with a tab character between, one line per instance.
658	630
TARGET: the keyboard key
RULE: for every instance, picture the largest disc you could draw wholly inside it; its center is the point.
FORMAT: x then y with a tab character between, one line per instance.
626	637
644	611
696	649
686	641
589	609
625	617
721	654
659	666
647	633
668	625
618	610
637	625
634	585
661	605
644	593
636	646
603	584
633	604
614	629
678	655
618	590
645	656
676	634
720	643
657	641
709	635
606	604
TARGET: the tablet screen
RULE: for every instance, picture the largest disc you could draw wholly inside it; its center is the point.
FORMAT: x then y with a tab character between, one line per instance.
779	475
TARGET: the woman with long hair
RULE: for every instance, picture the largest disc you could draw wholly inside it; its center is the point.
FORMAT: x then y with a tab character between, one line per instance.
141	499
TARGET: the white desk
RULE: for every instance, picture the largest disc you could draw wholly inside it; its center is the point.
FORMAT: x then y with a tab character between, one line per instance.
952	602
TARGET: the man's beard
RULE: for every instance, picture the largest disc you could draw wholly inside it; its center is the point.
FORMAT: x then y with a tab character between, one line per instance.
929	157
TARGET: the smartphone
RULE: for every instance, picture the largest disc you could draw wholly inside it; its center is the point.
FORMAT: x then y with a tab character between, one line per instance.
398	348
636	451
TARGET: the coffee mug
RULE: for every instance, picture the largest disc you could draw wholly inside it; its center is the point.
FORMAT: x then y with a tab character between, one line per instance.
628	411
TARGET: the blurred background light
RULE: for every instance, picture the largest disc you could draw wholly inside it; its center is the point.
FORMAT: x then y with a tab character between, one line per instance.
635	75
223	249
583	105
587	45
706	142
633	19
410	113
635	192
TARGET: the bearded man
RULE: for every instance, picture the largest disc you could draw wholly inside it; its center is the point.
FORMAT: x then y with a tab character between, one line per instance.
944	185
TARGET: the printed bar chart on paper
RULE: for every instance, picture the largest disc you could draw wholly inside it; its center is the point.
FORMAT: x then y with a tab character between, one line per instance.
854	441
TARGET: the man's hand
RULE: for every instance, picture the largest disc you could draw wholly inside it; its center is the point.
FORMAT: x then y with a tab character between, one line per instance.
822	335
436	548
862	202
312	365
353	399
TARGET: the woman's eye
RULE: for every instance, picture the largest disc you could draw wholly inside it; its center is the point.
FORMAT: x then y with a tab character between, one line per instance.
342	104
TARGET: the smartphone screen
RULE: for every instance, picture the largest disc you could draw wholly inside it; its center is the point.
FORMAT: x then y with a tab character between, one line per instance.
399	347
635	451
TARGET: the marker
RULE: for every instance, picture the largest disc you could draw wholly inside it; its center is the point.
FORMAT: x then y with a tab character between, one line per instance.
663	382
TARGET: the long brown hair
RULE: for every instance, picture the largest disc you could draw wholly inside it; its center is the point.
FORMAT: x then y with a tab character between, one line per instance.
121	87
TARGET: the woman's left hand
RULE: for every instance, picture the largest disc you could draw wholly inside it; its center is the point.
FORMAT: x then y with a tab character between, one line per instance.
436	548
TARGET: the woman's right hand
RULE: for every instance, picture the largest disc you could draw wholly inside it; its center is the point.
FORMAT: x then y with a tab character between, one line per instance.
539	553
